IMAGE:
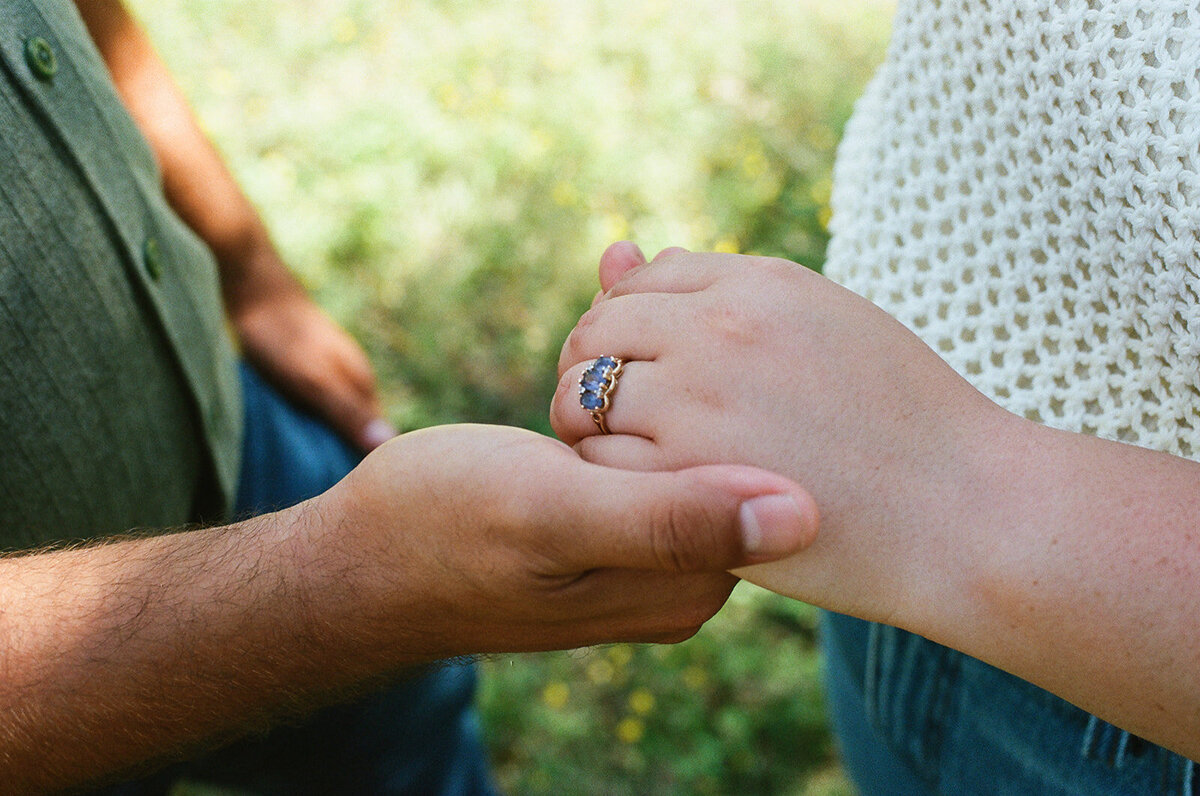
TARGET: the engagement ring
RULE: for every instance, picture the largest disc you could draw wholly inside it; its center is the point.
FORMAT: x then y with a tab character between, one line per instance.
596	386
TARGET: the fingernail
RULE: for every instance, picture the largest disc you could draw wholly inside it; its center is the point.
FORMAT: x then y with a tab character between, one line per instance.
377	432
772	526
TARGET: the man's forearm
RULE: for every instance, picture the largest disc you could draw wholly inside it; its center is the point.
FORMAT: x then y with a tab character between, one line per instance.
136	650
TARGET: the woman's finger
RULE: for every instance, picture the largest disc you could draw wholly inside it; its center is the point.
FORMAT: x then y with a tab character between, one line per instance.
624	451
630	397
617	260
633	328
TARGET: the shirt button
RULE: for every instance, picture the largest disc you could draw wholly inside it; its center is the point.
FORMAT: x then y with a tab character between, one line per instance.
40	57
152	258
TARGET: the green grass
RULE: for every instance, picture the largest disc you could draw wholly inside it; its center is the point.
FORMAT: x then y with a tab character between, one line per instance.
736	710
444	175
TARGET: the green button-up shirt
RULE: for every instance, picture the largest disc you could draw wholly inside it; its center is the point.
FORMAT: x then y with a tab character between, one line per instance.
119	397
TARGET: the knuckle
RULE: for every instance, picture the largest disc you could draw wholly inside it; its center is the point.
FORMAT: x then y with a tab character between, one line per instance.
777	267
563	393
694	618
681	534
569	354
676	636
733	325
687	622
689	601
713	600
670	538
573	346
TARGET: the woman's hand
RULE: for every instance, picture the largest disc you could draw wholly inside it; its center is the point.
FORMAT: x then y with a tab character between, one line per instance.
1067	560
760	361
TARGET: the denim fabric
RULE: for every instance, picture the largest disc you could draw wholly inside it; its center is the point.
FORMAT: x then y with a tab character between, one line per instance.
419	737
914	717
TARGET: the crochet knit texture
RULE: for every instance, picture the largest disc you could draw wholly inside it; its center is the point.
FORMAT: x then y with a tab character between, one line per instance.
1019	186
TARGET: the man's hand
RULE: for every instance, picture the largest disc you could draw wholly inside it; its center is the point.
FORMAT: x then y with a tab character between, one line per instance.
313	361
482	539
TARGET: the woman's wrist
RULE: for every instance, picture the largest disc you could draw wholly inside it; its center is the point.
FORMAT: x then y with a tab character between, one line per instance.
947	509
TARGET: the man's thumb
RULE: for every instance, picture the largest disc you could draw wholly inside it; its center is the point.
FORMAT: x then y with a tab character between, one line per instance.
710	518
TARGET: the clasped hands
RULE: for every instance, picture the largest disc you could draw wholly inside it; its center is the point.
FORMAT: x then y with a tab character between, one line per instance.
756	396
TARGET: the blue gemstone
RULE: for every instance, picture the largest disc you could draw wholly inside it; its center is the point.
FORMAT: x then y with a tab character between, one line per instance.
604	363
593	381
591	401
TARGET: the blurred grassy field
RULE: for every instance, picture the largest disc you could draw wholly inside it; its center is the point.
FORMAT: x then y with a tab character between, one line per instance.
444	175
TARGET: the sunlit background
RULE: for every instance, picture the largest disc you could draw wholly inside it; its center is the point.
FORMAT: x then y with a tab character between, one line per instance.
444	176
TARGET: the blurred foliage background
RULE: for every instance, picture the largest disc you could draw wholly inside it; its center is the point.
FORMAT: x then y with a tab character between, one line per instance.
444	174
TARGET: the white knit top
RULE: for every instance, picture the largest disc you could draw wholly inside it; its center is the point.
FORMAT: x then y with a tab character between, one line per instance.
1020	186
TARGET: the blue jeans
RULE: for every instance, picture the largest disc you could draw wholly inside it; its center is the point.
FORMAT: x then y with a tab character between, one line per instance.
915	718
418	737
